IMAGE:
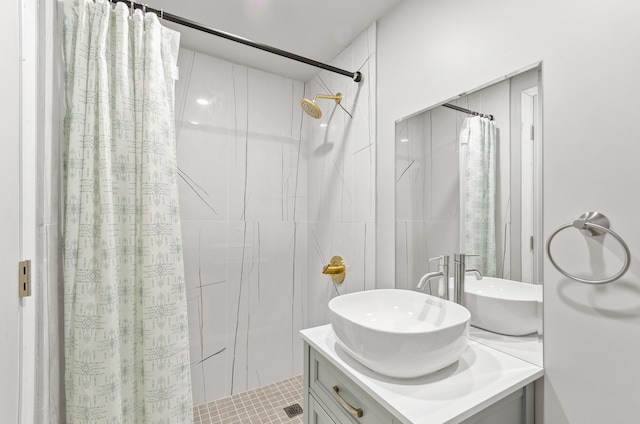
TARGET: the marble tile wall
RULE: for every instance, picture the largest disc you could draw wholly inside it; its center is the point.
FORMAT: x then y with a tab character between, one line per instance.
268	195
427	183
341	178
242	164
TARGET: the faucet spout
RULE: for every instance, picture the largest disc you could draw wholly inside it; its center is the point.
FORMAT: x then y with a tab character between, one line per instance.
476	272
427	277
442	273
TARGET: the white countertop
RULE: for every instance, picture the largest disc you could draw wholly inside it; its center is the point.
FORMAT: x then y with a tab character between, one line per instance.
479	378
527	348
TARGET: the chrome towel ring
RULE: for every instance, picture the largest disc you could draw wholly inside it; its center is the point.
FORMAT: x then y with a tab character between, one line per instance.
592	224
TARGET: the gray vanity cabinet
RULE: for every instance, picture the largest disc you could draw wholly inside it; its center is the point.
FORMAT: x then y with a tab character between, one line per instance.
330	397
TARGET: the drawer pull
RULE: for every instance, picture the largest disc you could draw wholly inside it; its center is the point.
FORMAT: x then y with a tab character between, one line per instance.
356	412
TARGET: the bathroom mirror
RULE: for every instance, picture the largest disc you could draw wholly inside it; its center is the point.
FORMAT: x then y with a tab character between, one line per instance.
441	188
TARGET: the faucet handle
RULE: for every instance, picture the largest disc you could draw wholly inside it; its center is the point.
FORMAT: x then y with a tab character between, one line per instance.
444	260
460	257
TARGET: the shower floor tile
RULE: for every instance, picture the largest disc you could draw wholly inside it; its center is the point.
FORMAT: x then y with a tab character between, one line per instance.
263	405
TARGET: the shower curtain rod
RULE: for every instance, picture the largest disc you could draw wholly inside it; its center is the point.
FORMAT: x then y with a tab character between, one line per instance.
470	112
356	76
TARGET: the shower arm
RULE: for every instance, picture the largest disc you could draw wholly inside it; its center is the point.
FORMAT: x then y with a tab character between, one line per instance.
356	76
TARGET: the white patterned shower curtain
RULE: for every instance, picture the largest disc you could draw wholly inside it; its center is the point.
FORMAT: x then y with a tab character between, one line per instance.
125	313
478	193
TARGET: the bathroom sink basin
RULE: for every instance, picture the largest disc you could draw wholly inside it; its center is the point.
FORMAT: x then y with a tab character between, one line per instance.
504	306
400	333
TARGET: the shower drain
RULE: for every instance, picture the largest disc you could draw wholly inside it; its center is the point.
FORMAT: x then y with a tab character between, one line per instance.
293	410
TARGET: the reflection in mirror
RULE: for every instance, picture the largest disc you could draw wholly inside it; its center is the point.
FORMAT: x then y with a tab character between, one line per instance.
469	184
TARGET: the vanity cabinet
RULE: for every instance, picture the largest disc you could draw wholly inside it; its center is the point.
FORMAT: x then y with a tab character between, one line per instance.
331	397
339	396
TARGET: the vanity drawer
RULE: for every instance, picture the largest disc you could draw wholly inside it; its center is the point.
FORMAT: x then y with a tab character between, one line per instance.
341	396
317	414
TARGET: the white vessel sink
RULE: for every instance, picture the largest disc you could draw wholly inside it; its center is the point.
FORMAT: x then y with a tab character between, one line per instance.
504	306
400	333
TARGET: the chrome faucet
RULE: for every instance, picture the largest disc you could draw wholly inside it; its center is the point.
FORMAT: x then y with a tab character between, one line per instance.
459	272
443	272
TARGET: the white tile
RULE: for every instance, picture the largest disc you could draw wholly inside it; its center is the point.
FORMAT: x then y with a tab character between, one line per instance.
262	173
369	256
203	173
197	385
412	253
443	238
208	346
299	297
205	139
205	252
238	151
185	64
272	155
264	285
364	150
241	251
354	243
272	307
197	376
413	168
213	385
213	314
444	164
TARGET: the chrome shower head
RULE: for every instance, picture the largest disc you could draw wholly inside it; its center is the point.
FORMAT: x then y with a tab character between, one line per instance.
312	109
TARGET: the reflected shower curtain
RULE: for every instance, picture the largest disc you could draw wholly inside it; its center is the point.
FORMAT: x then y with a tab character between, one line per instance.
125	315
478	193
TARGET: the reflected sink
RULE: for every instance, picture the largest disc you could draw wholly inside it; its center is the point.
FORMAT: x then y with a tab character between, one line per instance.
400	333
504	306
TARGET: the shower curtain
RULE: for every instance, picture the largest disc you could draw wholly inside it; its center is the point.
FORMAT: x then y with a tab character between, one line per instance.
478	193
125	316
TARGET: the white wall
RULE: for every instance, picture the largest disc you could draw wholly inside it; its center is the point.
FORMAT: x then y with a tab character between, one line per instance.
429	51
9	212
48	282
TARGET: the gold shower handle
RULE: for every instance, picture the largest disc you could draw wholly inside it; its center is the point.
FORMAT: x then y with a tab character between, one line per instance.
333	269
336	269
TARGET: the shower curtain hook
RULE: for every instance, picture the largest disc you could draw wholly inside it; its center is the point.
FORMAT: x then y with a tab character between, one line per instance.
144	9
133	7
161	13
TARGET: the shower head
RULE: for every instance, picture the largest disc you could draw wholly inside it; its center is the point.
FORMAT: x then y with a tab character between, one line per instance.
312	109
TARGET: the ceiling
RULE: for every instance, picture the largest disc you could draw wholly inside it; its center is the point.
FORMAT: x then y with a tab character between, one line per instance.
316	29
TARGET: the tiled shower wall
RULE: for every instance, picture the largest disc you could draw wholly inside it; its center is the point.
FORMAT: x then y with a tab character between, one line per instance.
427	184
268	195
242	164
341	179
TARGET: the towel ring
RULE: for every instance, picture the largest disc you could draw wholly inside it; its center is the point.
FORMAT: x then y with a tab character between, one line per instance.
592	224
